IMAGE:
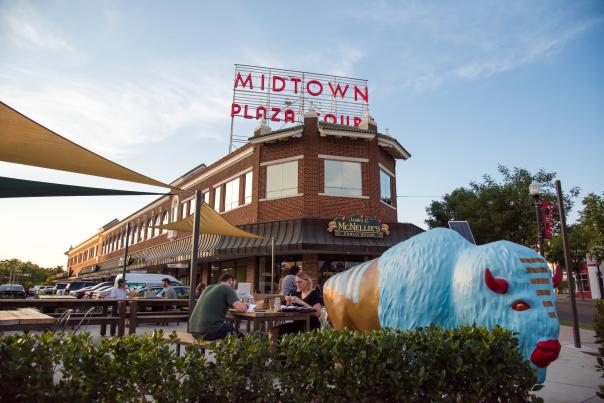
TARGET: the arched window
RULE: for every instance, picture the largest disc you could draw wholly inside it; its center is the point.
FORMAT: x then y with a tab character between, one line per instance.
157	222
141	233
133	234
165	221
175	209
149	229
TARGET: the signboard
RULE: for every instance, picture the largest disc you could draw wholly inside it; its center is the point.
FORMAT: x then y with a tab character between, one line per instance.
284	96
358	226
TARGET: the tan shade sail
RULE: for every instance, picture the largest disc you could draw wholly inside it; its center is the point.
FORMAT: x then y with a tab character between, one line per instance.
23	141
210	223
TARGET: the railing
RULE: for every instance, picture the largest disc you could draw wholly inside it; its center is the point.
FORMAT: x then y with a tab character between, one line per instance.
115	313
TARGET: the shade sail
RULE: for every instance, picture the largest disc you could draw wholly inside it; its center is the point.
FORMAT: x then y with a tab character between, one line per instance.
11	187
23	141
210	222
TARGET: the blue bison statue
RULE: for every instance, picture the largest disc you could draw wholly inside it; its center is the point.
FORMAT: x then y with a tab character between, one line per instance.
439	278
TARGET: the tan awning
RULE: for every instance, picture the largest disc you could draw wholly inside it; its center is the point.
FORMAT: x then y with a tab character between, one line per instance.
210	223
23	141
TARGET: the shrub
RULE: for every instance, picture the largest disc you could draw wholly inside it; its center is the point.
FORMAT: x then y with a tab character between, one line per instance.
430	364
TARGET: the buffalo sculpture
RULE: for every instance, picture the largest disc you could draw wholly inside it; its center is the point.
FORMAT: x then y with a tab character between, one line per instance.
439	278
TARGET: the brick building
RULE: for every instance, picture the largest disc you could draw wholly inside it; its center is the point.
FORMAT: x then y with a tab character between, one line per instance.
295	187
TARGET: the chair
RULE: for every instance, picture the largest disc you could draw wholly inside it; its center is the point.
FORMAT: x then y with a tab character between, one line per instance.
62	322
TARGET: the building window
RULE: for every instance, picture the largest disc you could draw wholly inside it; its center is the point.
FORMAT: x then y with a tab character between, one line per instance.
385	187
124	240
185	208
141	233
149	229
231	195
157	222
247	194
282	180
206	197
165	221
217	199
343	178
133	235
192	207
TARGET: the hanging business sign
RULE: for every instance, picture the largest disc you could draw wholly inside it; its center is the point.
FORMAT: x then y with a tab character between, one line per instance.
279	95
358	226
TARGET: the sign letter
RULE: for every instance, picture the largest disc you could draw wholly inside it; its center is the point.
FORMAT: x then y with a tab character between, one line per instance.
313	93
248	80
235	109
282	87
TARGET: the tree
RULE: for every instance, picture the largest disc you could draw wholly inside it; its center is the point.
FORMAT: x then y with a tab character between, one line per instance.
26	273
498	210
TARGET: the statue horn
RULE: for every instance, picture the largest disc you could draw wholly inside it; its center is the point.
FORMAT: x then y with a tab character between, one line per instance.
557	279
498	285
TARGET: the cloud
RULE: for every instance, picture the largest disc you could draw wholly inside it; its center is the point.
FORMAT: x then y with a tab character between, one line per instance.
113	118
23	27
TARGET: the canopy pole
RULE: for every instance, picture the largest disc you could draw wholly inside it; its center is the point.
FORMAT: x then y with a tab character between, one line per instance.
272	265
194	252
125	260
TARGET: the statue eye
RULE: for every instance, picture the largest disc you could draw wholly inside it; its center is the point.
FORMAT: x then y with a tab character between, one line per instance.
520	306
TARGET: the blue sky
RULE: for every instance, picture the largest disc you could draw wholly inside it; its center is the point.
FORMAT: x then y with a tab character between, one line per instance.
148	84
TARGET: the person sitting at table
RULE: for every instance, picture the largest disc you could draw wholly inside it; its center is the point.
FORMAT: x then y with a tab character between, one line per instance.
208	317
289	282
307	296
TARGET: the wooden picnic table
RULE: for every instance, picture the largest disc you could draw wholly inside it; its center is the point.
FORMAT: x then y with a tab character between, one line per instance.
263	319
24	318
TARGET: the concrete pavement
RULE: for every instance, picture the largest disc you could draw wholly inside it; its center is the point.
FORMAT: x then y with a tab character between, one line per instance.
573	377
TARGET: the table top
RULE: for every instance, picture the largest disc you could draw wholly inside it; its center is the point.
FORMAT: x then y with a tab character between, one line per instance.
269	314
25	316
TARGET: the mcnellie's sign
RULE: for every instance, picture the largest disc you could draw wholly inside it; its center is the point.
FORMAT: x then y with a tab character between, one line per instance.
359	226
280	95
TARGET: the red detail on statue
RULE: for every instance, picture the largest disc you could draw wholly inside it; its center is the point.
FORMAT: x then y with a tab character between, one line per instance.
557	279
547	217
498	285
545	352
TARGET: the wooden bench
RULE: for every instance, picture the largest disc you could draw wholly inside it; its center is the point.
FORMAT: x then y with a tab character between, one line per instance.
187	339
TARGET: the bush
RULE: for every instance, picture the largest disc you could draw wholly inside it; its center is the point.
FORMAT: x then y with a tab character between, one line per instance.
599	330
431	364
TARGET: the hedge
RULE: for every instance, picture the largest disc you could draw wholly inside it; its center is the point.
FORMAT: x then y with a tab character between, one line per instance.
469	364
599	330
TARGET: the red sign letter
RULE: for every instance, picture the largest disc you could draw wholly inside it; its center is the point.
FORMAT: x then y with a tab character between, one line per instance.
261	112
245	114
364	94
295	80
330	117
235	109
315	82
243	82
356	120
275	89
275	111
338	90
289	116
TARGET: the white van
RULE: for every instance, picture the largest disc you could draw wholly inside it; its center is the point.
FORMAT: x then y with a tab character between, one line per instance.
138	279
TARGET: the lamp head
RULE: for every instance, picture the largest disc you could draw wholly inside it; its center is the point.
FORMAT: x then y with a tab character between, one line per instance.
534	189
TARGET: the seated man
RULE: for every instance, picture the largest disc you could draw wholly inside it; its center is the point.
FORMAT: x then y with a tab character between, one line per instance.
207	319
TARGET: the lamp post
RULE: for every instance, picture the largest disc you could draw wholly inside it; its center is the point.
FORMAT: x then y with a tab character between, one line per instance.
535	190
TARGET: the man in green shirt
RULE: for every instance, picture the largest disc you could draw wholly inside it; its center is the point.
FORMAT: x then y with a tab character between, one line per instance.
207	319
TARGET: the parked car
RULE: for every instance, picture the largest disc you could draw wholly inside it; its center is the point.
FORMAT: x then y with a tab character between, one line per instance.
148	290
101	293
46	290
59	288
82	291
143	279
12	291
182	292
77	285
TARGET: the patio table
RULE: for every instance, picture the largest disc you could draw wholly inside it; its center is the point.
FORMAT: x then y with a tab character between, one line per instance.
261	318
24	319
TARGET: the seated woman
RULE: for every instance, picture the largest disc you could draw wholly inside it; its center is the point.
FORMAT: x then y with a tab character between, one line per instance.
307	296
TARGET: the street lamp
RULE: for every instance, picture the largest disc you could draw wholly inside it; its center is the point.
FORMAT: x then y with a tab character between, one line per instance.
535	190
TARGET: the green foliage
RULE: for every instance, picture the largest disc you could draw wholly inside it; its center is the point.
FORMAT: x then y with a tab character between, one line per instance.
498	210
599	330
431	364
27	274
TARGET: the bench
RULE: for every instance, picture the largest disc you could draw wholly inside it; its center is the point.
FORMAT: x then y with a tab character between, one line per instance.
187	339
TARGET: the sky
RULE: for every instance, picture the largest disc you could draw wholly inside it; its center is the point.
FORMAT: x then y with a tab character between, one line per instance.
462	86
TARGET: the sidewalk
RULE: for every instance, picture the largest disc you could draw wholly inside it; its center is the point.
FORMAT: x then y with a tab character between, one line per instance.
573	377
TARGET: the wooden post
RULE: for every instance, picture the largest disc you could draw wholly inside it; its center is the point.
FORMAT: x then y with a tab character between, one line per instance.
121	324
104	326
194	252
571	280
132	322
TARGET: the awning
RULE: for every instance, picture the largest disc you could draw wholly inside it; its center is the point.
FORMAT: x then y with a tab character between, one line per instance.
11	187
23	141
210	223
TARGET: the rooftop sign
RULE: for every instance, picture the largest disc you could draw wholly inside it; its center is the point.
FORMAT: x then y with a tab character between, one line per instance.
279	95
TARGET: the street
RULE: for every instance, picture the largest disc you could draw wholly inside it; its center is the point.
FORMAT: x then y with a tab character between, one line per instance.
586	309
